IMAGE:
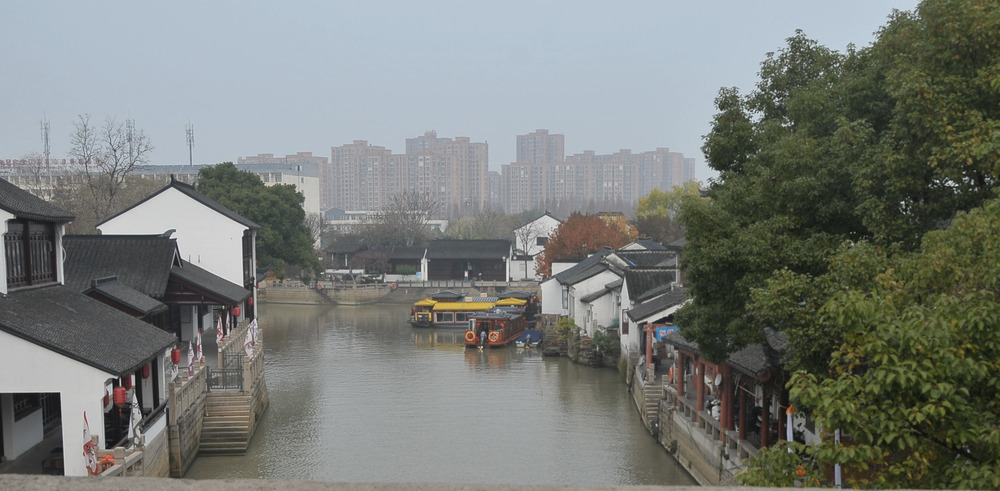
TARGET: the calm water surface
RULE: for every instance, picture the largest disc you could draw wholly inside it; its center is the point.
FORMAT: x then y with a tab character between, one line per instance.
359	396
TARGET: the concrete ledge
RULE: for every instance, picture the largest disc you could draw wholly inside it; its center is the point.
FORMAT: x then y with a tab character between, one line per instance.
40	483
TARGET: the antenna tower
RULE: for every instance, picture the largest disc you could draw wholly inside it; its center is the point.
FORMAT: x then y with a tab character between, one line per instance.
129	134
45	140
190	141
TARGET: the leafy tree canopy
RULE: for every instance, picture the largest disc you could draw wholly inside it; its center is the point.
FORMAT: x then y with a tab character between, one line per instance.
914	384
581	235
656	216
881	144
283	237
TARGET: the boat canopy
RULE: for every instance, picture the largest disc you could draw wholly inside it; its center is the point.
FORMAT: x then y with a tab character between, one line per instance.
462	306
425	303
510	301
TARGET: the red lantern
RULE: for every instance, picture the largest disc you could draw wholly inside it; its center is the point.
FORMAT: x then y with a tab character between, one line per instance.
175	356
127	381
120	395
145	371
236	311
250	301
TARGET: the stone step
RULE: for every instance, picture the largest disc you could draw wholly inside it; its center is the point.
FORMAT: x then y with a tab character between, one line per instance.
235	436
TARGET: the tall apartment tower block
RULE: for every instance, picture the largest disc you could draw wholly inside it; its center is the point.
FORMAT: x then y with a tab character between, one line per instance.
542	174
366	177
541	148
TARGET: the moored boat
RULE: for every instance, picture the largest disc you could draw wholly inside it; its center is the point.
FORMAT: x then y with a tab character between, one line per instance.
494	329
530	338
448	309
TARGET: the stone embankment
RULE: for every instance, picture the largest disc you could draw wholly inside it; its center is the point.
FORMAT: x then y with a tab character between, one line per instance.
329	293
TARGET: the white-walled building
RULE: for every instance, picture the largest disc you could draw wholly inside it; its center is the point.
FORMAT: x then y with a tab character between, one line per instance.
64	353
529	242
208	234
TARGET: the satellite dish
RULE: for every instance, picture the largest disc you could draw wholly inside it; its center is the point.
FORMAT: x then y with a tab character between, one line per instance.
718	379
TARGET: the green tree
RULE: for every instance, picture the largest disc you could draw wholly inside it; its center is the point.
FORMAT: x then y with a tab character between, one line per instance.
785	199
914	384
283	237
656	215
881	144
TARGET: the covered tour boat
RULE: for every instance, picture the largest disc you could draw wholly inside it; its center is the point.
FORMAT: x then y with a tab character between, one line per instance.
495	329
448	309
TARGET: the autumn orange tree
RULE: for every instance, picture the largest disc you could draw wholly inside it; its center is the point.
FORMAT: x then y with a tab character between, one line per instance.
581	235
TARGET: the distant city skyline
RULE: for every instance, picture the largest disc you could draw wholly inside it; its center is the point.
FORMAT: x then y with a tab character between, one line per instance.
296	76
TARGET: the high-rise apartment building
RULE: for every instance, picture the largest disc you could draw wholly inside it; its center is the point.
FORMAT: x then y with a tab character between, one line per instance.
541	148
615	179
452	171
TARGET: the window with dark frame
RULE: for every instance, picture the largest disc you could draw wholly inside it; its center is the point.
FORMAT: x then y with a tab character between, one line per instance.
30	252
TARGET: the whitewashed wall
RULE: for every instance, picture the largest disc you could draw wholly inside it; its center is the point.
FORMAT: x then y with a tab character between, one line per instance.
205	237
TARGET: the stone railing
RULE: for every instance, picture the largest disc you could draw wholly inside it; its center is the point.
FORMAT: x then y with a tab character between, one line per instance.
186	390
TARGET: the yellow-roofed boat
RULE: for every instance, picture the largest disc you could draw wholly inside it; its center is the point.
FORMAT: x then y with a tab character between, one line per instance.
448	309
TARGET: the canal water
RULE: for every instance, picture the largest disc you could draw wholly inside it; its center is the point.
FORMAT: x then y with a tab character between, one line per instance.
357	395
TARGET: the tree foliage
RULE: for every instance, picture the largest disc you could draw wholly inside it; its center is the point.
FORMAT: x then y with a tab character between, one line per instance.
914	384
581	235
851	213
656	215
283	237
880	144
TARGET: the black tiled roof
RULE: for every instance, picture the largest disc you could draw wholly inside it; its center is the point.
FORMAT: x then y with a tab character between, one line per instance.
608	288
127	296
407	253
468	249
754	359
649	259
346	245
650	244
220	289
643	281
660	303
81	328
26	205
197	196
582	270
141	262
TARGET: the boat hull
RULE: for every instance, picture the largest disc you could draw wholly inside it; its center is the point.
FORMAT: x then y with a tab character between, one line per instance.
494	329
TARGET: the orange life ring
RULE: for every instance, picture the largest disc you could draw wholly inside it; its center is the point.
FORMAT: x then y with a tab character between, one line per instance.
494	336
393	285
470	336
319	286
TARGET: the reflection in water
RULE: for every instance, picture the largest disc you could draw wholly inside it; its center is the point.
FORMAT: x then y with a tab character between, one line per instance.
357	395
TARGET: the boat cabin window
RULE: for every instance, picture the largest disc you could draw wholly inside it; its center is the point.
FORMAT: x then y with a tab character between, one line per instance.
461	316
445	317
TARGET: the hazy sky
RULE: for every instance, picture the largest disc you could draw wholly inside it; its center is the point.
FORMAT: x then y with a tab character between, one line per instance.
292	76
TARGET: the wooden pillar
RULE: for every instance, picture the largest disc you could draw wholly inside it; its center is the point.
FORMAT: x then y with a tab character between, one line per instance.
699	382
679	373
765	418
726	416
649	343
782	418
741	395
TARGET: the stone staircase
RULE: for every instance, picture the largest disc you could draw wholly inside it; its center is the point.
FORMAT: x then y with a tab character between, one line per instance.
226	428
651	393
